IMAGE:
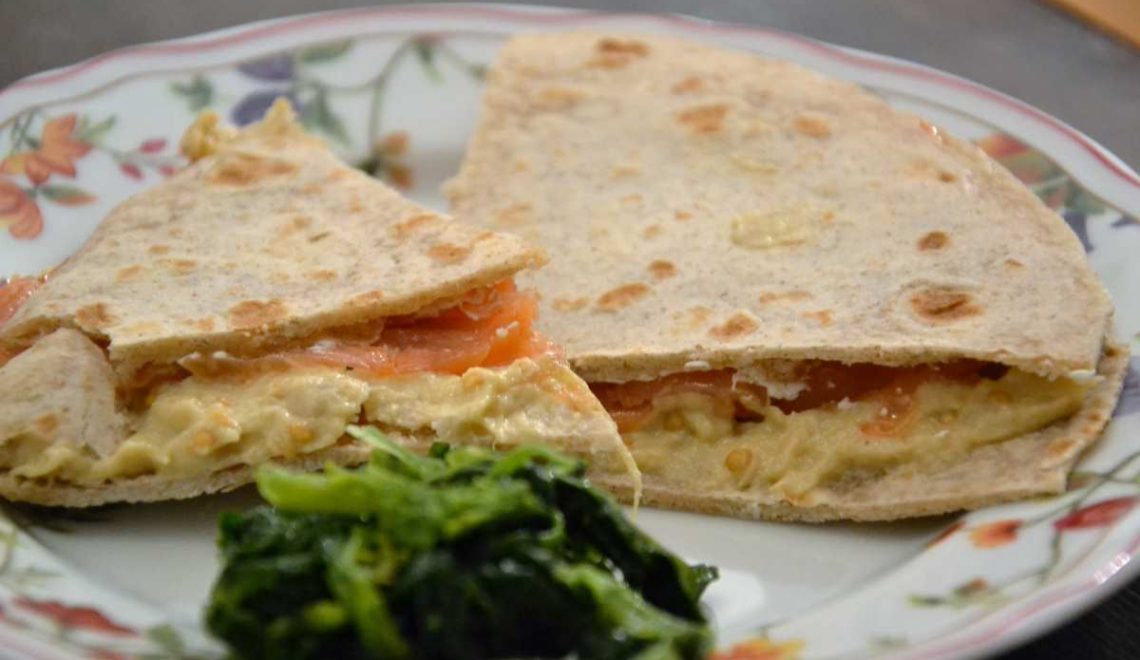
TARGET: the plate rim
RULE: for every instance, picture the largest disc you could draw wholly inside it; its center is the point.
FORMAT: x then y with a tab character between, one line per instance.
1025	619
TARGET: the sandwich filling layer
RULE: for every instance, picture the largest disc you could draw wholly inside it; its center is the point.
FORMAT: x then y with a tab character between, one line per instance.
201	426
474	372
714	432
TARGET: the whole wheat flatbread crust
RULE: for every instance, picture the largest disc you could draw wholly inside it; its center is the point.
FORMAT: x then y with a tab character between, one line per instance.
706	208
269	238
156	489
712	206
266	239
603	467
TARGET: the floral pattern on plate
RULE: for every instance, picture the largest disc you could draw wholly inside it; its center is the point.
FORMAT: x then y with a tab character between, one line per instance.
63	164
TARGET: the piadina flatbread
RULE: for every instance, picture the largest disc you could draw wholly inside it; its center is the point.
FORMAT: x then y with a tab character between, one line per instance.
796	302
253	306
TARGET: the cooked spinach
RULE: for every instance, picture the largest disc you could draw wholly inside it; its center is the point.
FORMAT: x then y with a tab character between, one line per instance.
459	554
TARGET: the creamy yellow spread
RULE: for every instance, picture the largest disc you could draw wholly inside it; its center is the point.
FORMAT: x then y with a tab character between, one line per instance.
197	427
695	443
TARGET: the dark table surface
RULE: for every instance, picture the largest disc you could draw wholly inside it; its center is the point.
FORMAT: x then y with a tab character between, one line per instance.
1020	47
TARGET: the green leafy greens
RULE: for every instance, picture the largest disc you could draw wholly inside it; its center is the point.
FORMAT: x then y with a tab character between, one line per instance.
459	554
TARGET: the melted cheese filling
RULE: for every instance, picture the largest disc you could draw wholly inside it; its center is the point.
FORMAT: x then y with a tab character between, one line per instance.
694	442
199	426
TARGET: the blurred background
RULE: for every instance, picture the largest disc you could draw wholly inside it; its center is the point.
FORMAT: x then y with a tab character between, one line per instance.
1076	59
1031	49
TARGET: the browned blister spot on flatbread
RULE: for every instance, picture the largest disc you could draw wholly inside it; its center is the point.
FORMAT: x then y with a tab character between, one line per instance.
947	177
736	326
569	304
822	316
941	304
515	215
180	266
653	231
128	273
46	424
930	130
662	269
256	313
241	169
323	275
93	316
935	240
409	226
617	53
621	297
142	328
703	119
622	170
1062	446
812	127
449	253
559	98
319	236
1014	263
688	85
790	296
630	46
158	249
682	215
697	316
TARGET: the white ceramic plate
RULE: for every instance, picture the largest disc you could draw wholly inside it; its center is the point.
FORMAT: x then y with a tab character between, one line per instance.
131	581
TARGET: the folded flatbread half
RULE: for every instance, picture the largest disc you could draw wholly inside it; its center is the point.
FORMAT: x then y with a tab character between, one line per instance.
796	301
250	308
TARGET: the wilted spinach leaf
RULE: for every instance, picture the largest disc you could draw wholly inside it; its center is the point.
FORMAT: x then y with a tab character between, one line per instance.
458	554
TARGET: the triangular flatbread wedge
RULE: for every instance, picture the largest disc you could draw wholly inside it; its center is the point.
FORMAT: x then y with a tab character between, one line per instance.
796	301
249	309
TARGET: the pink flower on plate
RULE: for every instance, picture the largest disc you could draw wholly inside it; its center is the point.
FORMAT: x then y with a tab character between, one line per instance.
131	170
1101	514
153	145
762	648
995	534
73	617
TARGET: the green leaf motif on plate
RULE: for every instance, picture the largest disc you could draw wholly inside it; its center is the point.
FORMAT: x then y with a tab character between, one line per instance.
198	92
93	133
66	195
317	114
425	52
324	52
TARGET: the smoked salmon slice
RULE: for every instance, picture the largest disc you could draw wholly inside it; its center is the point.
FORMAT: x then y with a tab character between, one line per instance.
492	326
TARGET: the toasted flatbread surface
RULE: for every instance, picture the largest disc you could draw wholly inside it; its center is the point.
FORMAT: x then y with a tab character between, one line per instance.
708	205
709	209
267	238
